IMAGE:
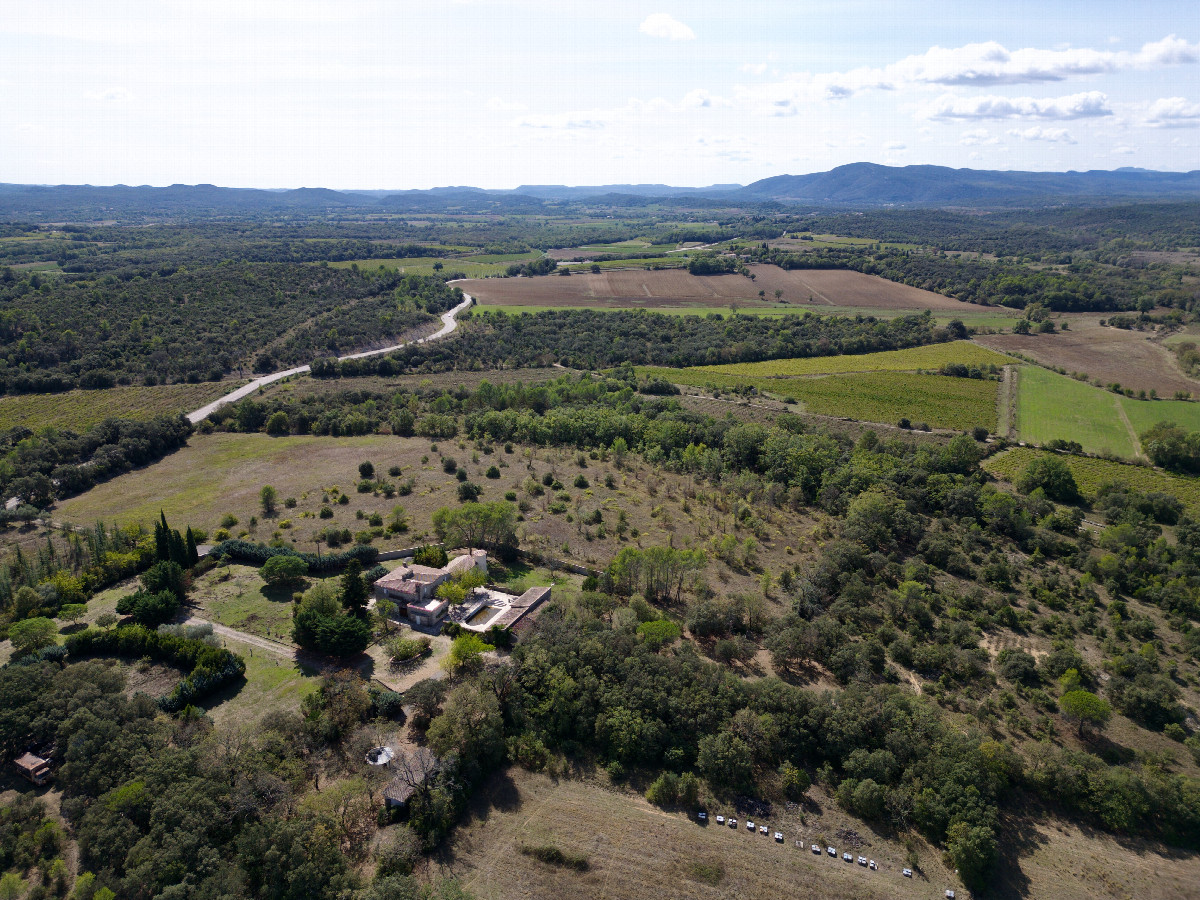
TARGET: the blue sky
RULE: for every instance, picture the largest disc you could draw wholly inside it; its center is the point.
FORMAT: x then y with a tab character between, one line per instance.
372	94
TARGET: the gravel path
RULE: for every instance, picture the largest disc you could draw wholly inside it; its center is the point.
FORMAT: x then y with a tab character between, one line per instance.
449	323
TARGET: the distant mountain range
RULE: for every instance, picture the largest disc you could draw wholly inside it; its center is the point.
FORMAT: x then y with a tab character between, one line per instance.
855	185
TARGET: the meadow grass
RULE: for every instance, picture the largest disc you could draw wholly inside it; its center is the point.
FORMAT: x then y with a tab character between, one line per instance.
886	397
79	410
1144	414
931	356
1052	406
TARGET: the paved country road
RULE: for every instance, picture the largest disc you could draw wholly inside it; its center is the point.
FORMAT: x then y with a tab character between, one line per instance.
449	323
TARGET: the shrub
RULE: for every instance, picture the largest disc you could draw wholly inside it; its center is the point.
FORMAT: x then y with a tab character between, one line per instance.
658	633
493	472
552	856
210	668
283	569
150	610
432	556
404	649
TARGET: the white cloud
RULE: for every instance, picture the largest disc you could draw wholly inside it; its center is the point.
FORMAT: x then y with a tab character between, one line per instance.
894	145
1123	151
108	95
983	64
1038	133
1074	106
496	104
1173	112
702	99
662	25
977	136
754	68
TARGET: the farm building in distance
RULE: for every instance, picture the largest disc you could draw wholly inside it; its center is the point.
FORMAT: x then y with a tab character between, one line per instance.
33	768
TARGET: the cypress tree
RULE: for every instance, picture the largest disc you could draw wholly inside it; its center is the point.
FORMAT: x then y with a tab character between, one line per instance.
178	550
162	537
193	554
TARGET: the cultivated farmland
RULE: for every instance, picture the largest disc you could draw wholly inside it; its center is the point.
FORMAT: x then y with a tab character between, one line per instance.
938	400
1051	406
1090	473
1108	355
814	289
932	356
78	410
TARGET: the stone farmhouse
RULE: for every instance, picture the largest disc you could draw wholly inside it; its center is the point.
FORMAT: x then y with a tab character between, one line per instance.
414	588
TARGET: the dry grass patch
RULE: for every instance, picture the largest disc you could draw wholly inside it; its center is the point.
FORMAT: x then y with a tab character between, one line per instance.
636	850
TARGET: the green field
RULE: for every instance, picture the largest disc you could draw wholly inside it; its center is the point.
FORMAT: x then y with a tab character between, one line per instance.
477	266
1144	414
1051	406
1091	473
943	402
674	261
78	410
932	356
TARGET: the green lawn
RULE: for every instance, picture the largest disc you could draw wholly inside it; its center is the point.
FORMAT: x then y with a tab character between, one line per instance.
272	684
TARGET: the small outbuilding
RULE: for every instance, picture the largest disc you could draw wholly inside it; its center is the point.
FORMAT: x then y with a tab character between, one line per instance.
33	768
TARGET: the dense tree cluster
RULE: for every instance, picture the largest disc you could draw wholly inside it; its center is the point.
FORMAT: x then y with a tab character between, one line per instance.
52	464
1085	287
182	324
590	339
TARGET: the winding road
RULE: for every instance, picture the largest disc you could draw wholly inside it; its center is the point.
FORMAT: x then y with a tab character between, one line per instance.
449	324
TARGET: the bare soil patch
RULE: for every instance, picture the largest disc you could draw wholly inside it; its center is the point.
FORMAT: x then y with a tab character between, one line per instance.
668	288
1130	358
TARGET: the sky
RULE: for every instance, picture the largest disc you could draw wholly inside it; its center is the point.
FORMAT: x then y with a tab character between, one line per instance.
392	94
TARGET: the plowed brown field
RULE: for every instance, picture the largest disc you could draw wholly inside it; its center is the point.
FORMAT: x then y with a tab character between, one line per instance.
676	288
1126	357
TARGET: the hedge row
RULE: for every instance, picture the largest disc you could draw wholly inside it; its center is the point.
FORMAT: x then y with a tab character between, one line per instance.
209	668
257	554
